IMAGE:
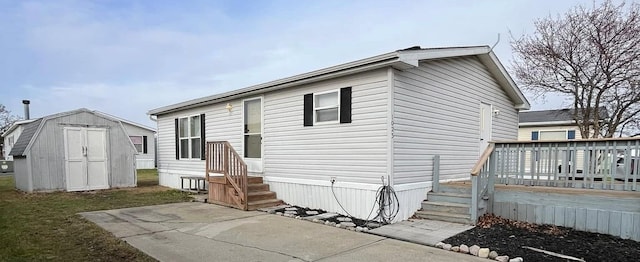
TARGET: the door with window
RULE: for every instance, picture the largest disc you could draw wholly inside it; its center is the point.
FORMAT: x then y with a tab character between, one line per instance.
86	158
252	134
485	126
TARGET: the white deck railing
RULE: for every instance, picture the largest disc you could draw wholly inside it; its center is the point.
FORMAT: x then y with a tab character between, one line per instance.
604	164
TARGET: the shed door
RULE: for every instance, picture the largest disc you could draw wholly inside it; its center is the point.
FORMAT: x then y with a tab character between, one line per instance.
86	158
485	126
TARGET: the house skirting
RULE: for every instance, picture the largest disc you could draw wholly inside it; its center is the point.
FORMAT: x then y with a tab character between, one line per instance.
357	199
171	177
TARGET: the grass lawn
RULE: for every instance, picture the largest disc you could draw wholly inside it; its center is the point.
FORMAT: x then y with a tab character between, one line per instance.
45	226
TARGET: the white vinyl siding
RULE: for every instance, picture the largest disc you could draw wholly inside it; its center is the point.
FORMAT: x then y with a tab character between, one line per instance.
220	125
143	160
351	152
437	112
524	133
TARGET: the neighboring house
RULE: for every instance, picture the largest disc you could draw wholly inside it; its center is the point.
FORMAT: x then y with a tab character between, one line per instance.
557	124
143	138
372	121
74	151
546	125
11	136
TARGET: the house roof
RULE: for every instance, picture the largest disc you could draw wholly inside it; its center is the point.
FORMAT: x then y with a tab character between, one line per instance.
552	117
31	130
125	121
400	59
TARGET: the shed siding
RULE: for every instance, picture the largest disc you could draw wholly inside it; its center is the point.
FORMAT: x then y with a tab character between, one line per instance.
437	112
143	160
21	173
351	152
47	152
221	125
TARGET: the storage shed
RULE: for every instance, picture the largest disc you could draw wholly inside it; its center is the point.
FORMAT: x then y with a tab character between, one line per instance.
74	151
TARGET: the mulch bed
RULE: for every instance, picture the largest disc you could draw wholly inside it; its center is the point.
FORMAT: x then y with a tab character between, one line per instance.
507	237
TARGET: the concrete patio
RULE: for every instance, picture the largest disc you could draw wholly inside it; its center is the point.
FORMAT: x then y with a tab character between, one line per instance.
205	232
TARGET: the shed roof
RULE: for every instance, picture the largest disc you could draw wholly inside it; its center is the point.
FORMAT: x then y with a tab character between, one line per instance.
400	59
24	138
31	129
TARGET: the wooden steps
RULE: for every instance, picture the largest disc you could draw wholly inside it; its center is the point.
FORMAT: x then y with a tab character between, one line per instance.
259	195
451	204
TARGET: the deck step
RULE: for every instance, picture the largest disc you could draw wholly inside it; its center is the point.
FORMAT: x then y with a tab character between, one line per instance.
254	180
261	195
257	187
447	207
443	216
449	197
459	188
253	205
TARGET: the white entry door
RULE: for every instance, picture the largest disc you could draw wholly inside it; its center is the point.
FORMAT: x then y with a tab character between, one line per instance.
86	158
485	126
252	134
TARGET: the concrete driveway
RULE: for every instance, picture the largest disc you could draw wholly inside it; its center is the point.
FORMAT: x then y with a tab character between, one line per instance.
206	232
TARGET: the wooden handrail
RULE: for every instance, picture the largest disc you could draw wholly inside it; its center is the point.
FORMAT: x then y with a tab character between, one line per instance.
221	157
483	159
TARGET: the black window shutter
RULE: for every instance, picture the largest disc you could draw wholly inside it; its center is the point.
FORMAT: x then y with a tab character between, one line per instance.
202	138
308	110
345	105
144	144
177	141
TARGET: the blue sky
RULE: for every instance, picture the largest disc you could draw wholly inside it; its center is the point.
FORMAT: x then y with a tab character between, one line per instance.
127	57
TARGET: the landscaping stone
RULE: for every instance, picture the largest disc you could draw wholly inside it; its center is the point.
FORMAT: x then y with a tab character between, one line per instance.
502	258
332	223
339	225
279	213
344	219
311	212
291	212
484	252
446	247
327	215
359	229
351	228
455	249
439	245
474	250
517	259
348	224
327	222
373	225
493	254
288	215
464	249
291	209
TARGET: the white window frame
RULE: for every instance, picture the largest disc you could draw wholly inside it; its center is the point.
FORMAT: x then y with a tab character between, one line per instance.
141	143
189	138
566	133
315	109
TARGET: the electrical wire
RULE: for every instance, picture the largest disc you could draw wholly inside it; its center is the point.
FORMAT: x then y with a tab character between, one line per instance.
386	200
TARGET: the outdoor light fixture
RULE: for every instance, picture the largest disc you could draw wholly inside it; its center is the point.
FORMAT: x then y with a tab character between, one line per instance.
496	112
229	107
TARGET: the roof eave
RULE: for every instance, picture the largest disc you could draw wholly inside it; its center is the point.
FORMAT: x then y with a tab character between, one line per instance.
490	60
389	59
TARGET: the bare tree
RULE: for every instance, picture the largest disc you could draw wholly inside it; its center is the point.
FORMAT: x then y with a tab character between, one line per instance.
6	119
591	56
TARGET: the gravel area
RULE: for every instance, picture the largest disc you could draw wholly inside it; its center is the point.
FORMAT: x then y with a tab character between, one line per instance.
508	237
